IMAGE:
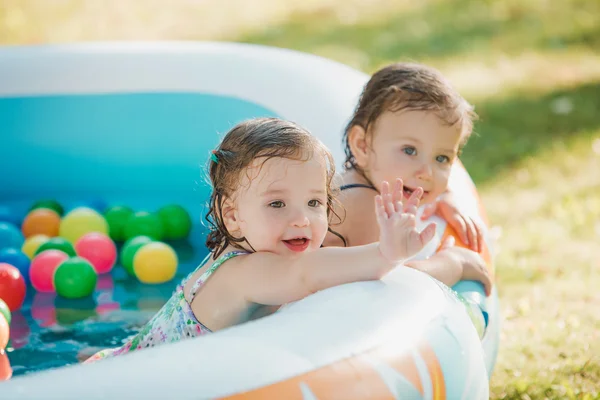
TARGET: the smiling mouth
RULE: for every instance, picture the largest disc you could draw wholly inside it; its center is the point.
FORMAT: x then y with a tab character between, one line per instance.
407	191
298	244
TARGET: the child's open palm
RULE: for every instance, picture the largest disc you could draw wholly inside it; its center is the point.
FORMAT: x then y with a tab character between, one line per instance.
398	236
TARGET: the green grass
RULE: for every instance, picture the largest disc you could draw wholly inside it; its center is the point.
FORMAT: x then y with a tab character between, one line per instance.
522	126
532	69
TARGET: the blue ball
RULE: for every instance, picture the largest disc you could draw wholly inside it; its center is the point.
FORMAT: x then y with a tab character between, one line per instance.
17	259
10	215
10	236
95	204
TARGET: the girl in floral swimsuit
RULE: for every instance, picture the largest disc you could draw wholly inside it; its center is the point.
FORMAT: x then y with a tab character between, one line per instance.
270	208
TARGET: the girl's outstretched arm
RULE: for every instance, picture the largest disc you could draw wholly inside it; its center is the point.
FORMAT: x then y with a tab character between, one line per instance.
452	264
271	279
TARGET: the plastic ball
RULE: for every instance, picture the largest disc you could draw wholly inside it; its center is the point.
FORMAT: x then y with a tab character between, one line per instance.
117	217
4	332
41	221
57	243
43	267
10	236
80	221
18	259
4	310
143	223
129	249
48	204
176	221
99	250
33	243
95	204
12	286
8	214
155	263
75	278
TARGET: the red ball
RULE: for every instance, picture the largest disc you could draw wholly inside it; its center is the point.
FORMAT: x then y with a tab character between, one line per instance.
43	267
99	250
12	286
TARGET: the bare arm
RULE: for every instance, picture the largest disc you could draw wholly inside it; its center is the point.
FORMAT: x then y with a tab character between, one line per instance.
453	264
469	230
271	279
442	266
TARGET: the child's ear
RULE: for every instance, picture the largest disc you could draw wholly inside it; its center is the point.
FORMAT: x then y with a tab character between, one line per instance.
229	215
357	139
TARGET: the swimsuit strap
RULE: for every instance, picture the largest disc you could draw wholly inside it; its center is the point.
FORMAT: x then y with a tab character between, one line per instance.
200	281
356	185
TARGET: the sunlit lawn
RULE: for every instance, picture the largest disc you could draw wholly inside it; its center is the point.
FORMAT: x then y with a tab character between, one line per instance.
532	68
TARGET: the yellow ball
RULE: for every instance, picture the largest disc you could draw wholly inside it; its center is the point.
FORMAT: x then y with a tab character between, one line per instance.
155	262
32	243
80	221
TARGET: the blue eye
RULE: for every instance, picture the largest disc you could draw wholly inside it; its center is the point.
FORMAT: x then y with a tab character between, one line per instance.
277	204
314	203
411	151
442	159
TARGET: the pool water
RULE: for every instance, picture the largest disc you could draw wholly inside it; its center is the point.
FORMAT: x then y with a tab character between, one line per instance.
50	331
144	150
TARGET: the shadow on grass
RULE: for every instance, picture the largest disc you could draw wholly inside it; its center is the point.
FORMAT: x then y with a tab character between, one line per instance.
512	129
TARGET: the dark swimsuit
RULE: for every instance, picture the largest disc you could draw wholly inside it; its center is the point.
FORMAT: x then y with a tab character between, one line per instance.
356	185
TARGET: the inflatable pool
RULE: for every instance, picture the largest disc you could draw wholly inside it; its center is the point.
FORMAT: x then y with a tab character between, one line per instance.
133	124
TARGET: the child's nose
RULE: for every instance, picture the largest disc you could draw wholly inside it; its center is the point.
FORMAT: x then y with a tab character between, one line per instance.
300	219
425	172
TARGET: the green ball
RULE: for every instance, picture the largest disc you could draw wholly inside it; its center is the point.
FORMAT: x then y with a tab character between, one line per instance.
57	243
176	221
129	249
143	223
51	204
75	278
117	217
4	310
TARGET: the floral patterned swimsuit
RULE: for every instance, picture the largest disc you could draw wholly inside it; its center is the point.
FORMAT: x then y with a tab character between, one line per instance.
174	321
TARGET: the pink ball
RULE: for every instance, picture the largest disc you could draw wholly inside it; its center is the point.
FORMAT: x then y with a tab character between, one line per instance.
43	267
99	250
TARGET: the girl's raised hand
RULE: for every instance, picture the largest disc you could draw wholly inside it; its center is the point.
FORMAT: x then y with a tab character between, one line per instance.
398	236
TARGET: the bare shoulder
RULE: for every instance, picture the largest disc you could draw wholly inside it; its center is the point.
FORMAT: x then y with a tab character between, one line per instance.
362	221
224	275
359	223
241	268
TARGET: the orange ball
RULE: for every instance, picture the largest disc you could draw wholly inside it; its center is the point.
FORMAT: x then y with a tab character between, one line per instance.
41	221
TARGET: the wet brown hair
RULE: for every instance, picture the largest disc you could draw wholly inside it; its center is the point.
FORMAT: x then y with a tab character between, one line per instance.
256	138
408	86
